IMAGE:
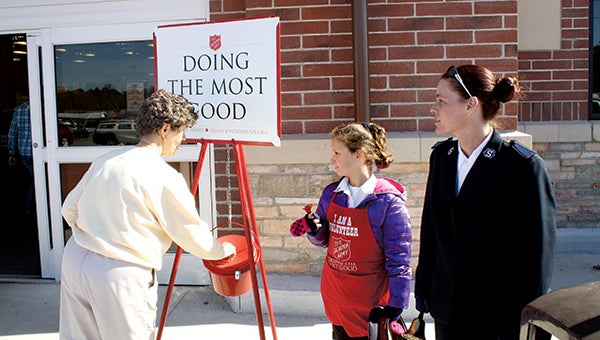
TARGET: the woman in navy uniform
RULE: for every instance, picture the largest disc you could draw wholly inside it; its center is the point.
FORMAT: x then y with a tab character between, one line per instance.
489	216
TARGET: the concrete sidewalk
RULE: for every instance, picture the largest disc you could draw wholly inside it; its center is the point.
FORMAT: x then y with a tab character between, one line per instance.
30	308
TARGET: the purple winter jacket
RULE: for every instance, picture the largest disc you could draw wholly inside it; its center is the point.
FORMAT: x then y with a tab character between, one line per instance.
390	222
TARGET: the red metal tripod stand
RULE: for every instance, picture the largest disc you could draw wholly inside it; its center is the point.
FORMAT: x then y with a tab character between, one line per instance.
249	221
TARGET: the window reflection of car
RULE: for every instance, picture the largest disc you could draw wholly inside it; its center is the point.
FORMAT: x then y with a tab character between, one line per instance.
116	132
65	136
90	125
78	130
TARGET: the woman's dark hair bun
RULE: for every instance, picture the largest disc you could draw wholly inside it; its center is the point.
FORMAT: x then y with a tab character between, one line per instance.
506	88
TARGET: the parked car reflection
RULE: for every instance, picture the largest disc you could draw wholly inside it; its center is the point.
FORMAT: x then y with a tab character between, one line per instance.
78	130
115	132
65	136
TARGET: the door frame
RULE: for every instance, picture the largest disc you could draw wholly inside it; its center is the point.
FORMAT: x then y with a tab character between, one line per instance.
48	155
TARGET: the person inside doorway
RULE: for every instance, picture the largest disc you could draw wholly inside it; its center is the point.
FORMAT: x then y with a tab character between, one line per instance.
20	148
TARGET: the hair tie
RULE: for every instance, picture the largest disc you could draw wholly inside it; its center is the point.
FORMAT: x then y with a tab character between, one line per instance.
368	127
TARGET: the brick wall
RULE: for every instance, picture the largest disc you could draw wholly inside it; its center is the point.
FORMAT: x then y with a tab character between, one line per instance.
410	45
558	79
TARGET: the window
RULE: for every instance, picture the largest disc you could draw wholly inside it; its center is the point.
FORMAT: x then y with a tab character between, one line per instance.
101	82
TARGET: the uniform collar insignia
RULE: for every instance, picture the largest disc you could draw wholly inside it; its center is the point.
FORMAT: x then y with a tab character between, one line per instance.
489	153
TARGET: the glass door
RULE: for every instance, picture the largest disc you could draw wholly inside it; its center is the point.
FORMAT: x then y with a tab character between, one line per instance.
19	247
92	90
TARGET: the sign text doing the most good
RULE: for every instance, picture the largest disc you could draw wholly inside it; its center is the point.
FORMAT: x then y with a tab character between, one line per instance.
230	72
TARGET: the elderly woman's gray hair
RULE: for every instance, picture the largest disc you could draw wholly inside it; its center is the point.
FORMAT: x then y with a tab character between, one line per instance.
163	107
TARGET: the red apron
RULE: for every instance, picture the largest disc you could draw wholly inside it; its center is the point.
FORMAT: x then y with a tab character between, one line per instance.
354	278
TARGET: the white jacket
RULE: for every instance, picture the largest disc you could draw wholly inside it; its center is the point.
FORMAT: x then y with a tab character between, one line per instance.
131	204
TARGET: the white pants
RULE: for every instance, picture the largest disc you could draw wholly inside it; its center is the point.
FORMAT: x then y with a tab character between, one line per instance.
103	298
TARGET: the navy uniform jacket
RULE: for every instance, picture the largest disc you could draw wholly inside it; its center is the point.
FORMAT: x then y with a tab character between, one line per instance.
489	251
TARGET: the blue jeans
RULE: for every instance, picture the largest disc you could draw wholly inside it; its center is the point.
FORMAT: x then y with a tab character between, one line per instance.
29	206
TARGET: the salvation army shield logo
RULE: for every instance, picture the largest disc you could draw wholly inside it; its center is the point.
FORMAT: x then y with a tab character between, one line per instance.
214	42
341	249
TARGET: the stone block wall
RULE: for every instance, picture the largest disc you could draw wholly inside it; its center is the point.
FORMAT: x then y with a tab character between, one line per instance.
575	171
279	193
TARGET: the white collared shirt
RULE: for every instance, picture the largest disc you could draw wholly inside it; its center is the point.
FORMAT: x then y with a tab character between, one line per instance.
357	194
464	163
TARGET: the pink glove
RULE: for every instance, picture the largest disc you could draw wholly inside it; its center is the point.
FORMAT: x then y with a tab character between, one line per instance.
304	224
397	328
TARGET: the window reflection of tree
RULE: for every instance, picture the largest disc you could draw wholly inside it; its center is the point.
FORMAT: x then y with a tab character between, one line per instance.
106	99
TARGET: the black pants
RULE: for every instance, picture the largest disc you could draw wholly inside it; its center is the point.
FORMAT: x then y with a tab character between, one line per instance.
339	333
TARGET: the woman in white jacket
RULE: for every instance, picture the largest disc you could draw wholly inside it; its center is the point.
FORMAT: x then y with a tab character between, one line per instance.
124	213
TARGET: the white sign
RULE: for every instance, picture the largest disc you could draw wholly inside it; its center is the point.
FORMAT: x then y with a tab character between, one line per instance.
230	71
135	96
